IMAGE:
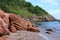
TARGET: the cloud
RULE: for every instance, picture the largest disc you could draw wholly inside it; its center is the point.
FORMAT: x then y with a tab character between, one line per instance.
53	2
55	13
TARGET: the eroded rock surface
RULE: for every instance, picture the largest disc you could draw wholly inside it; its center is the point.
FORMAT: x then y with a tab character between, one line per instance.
10	23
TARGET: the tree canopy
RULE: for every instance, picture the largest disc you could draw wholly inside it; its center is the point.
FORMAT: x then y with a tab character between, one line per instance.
15	5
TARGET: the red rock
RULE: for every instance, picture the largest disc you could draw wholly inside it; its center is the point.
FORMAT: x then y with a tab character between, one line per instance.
12	28
33	29
14	17
4	38
17	20
1	12
1	31
11	23
22	24
4	22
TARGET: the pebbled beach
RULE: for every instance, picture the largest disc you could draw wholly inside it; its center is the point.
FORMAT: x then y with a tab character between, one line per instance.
23	35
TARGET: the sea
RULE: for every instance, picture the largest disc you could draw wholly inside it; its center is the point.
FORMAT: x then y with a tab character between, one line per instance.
53	25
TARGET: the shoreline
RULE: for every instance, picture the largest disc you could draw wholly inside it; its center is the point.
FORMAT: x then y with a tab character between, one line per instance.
28	35
24	35
55	35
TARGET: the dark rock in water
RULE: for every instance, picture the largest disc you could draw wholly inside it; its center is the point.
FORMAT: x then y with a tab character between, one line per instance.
49	30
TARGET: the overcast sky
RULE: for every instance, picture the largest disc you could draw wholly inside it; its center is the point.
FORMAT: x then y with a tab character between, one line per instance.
51	6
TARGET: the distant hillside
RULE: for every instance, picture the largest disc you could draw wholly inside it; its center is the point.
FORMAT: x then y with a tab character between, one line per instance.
22	7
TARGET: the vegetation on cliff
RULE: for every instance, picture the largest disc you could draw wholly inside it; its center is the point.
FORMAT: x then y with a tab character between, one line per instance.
21	7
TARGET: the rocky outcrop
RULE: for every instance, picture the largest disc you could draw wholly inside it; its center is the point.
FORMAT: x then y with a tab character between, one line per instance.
50	18
47	18
11	23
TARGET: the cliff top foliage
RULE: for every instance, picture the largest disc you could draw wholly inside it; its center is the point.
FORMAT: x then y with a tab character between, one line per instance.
21	7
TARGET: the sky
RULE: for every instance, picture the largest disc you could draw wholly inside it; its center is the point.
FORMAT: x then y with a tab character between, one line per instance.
51	6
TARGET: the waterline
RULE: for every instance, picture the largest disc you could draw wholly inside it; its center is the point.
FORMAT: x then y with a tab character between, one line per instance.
44	36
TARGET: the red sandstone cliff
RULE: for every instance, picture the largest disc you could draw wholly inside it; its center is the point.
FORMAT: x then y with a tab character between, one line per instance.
11	23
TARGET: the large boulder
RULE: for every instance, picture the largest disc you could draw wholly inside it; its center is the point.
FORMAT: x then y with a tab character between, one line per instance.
11	23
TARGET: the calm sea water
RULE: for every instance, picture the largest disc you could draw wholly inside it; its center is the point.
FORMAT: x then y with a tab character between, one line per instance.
54	25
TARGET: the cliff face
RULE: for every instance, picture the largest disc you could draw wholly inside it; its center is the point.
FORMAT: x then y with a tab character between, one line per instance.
43	18
10	23
47	18
50	18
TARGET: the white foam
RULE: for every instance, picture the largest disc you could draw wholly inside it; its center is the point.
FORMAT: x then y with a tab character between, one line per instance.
45	37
